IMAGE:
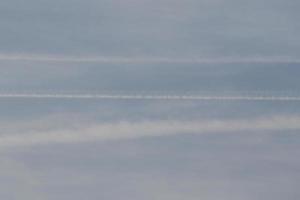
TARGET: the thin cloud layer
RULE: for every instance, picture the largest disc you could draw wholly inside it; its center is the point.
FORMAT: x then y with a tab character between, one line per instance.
131	130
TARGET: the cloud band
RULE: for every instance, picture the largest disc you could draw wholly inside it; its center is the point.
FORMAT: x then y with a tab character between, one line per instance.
132	130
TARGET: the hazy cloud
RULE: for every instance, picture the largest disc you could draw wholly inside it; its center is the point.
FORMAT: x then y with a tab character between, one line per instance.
129	130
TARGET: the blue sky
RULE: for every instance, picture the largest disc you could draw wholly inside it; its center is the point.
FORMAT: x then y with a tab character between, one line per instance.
139	149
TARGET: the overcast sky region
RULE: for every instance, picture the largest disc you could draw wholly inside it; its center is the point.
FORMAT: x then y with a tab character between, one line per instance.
187	99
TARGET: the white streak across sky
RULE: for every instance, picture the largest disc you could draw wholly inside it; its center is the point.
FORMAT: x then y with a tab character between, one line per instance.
149	97
145	59
133	130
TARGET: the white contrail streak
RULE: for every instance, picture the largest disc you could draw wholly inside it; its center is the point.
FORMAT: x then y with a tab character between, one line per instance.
150	97
145	59
132	130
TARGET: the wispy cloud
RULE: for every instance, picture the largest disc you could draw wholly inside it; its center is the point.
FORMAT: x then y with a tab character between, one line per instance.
130	130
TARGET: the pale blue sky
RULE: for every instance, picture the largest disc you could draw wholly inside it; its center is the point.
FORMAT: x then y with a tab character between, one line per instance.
72	149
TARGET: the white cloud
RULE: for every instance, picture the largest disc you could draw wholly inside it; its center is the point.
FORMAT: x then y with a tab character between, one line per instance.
130	130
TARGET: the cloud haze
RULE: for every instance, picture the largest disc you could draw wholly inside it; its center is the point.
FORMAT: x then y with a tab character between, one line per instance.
130	130
149	99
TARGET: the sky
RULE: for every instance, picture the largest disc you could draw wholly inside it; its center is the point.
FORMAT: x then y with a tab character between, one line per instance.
221	147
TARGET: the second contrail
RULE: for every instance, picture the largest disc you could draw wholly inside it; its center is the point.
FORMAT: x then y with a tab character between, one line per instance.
150	97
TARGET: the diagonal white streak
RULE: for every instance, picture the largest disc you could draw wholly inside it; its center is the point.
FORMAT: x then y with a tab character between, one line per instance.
145	59
150	97
132	130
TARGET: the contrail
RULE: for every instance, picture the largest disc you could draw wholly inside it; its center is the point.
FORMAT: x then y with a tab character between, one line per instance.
145	59
150	97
